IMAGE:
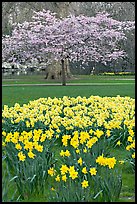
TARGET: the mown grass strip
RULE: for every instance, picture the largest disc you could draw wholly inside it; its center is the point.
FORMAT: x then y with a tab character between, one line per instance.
32	79
19	94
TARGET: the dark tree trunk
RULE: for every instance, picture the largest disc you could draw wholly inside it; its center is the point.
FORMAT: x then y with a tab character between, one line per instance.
63	73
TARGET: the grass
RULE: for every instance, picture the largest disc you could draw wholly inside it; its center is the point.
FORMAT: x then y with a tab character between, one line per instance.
32	79
21	95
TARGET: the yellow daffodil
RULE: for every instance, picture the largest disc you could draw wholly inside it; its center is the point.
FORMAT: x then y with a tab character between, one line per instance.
51	171
84	170
80	161
93	171
84	184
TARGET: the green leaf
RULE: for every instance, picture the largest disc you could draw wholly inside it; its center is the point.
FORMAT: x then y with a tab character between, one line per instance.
33	178
97	194
14	178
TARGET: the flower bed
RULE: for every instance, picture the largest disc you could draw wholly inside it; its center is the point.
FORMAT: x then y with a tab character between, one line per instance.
69	139
117	73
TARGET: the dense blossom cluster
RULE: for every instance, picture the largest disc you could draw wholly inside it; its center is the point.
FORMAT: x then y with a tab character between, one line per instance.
74	37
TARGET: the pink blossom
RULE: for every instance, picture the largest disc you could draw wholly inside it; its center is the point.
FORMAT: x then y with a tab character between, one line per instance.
74	37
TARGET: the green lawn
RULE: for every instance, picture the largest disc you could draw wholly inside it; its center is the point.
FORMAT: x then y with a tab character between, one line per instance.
32	79
12	95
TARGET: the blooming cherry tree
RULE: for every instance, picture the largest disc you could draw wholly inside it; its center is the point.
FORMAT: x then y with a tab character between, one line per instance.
74	38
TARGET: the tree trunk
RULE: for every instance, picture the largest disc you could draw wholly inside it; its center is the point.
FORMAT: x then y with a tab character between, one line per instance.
56	72
53	71
60	70
63	73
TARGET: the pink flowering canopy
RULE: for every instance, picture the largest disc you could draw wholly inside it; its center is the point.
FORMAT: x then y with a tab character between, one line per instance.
77	38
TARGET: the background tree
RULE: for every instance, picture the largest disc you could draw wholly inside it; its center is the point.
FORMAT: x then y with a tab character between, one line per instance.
23	11
75	38
122	11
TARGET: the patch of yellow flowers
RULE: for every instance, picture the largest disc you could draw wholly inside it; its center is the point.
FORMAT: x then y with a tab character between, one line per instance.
70	172
80	123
